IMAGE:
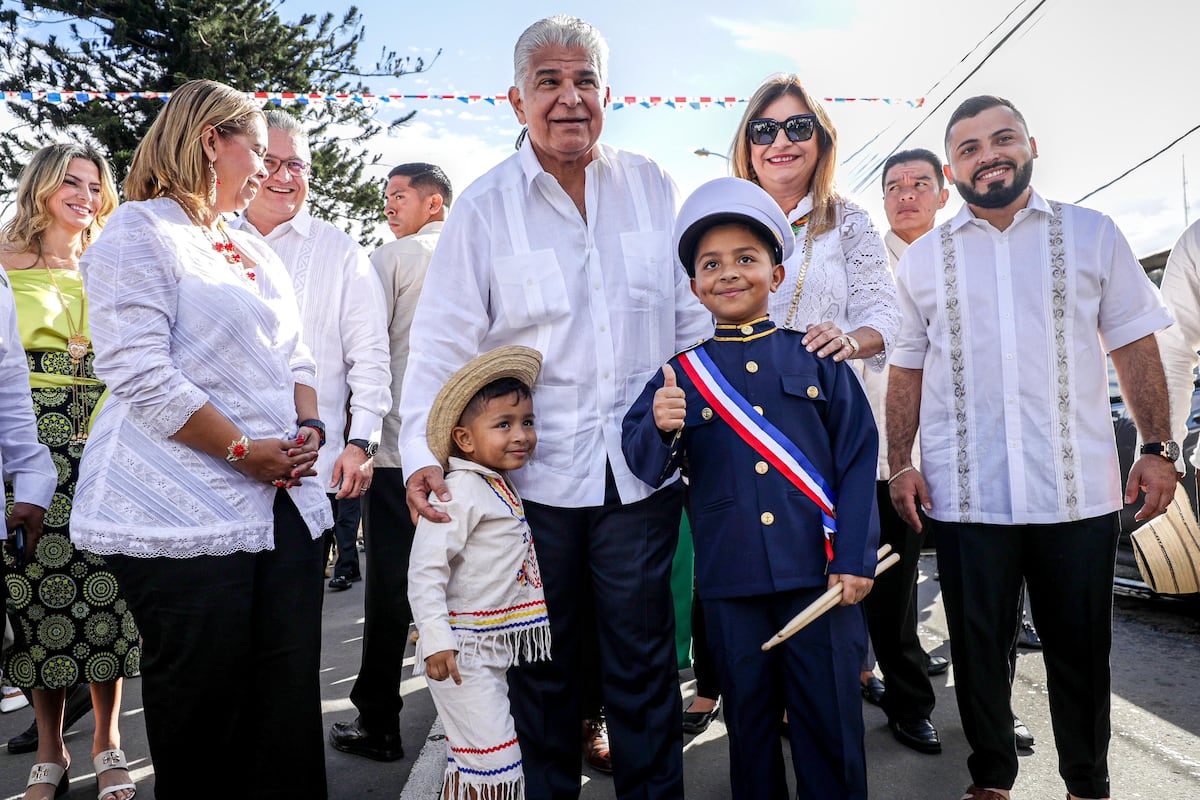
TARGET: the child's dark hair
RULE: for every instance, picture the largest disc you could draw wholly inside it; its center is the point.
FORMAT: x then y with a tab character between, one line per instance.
501	387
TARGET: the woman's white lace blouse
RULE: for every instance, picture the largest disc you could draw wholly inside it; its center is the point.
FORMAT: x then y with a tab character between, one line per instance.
174	325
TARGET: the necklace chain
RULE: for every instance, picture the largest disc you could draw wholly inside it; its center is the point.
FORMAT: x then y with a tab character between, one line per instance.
808	250
224	248
77	349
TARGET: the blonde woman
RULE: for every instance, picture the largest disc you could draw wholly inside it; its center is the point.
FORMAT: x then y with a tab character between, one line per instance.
73	623
193	485
838	285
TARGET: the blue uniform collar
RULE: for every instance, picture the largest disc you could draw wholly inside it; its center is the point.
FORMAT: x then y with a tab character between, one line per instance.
744	333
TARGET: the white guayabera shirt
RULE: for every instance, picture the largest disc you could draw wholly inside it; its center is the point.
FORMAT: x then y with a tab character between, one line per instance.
1011	328
602	299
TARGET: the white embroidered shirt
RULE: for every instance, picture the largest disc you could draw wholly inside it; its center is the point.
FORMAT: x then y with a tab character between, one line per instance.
1010	328
174	326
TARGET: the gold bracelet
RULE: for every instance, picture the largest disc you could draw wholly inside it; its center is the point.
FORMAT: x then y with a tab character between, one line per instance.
238	449
909	468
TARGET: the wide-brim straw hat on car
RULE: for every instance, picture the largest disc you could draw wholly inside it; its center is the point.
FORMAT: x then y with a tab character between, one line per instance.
511	361
1167	549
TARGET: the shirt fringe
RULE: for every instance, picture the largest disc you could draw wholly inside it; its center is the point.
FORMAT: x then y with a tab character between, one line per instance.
481	787
506	648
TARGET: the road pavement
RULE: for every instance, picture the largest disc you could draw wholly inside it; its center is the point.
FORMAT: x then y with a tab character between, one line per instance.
1155	751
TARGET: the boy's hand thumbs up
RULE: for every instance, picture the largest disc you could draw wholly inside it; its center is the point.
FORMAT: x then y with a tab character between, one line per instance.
670	405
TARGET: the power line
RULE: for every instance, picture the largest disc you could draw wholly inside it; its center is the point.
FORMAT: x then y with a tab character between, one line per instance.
929	92
1003	40
1139	165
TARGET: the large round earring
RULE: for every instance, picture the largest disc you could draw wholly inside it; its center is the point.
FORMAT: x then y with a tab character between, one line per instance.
212	183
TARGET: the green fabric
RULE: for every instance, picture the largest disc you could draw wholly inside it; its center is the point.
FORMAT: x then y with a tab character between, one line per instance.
681	592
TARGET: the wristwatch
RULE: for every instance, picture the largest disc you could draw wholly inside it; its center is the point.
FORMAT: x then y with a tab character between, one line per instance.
1168	450
370	448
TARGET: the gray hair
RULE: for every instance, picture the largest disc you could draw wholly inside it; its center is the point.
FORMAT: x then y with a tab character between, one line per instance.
280	120
560	30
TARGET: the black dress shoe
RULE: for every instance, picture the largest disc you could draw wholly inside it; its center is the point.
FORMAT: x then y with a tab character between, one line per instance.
873	691
936	665
919	734
351	737
695	722
1022	735
340	583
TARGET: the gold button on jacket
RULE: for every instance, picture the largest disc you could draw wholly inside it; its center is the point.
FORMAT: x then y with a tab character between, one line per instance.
761	468
767	518
751	366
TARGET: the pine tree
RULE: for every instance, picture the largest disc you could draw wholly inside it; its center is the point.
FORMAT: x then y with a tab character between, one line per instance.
157	45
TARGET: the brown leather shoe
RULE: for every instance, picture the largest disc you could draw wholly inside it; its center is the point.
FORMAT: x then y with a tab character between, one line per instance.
975	793
595	744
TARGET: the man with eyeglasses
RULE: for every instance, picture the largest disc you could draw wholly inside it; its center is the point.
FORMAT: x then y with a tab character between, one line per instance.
1008	310
342	308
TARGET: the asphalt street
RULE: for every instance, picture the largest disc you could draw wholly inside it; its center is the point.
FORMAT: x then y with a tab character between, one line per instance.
1155	751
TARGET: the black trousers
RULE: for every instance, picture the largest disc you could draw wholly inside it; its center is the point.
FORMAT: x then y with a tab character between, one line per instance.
346	514
1068	569
813	675
388	535
892	620
621	555
708	682
249	623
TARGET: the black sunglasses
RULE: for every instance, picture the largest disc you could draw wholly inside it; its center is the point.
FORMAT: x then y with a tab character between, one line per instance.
799	128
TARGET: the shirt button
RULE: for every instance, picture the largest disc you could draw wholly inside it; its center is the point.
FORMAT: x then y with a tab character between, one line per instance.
1009	356
767	518
603	328
529	283
747	330
758	409
606	376
761	468
751	367
706	413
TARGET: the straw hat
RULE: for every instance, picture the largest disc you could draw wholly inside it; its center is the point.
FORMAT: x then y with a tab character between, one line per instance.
1167	549
511	361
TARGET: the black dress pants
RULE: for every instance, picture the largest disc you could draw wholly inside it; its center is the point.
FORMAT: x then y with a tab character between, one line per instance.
621	555
388	535
250	624
892	620
1068	569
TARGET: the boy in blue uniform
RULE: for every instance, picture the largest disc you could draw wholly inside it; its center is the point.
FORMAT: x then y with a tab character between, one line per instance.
780	447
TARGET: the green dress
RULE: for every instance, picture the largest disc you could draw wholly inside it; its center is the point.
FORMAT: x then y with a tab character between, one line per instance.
72	624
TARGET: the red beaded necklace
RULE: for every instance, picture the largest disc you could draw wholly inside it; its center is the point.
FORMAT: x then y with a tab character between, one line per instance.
224	248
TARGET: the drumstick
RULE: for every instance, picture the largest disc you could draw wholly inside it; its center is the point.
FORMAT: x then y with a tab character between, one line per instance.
831	597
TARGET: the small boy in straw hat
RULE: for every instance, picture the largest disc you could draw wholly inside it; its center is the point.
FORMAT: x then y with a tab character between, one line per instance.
781	449
473	582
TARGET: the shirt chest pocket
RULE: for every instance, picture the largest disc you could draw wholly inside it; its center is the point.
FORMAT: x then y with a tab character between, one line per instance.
648	267
804	385
531	288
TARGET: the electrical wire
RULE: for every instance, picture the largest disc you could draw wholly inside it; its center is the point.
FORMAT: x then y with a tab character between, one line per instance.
996	47
1138	165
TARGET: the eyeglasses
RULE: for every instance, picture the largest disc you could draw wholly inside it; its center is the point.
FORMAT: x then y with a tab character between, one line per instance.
799	128
294	165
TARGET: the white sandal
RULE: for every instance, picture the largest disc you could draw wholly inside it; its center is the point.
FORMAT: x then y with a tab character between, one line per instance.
110	760
52	775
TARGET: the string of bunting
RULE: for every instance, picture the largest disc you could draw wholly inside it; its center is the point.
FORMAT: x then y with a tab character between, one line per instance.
312	98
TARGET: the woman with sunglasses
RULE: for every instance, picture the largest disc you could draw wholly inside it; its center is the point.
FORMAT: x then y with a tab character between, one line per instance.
838	285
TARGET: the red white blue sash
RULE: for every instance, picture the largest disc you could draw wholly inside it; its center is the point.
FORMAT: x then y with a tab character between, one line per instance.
763	437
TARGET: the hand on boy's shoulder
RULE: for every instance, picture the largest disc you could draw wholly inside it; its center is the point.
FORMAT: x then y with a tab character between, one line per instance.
670	403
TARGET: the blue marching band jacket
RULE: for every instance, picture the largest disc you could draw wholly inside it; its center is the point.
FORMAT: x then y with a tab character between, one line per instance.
755	532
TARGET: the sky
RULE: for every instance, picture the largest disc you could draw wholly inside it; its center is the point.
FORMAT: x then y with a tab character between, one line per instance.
1103	85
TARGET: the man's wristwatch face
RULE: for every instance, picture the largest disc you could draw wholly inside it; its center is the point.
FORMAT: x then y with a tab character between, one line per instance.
370	448
1168	450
